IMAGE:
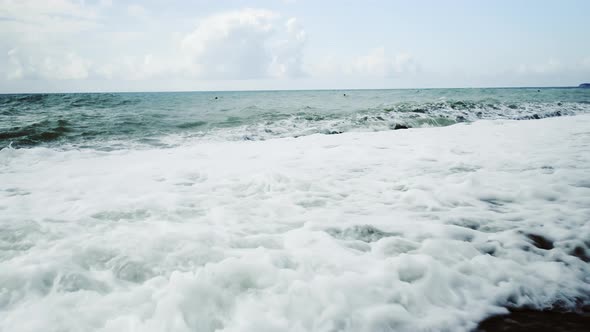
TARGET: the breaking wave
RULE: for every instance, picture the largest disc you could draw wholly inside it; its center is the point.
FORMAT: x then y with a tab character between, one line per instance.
113	121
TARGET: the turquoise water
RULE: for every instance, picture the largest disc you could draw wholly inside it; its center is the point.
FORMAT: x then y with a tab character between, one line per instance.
123	120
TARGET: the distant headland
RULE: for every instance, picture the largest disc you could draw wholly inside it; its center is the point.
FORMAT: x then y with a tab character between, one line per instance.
584	85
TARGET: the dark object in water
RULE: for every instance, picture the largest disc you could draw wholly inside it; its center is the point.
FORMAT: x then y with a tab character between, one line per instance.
537	116
535	320
400	126
581	253
531	117
541	242
365	233
584	85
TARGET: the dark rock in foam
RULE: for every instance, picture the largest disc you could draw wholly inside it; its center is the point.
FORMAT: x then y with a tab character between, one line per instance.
540	241
581	253
537	320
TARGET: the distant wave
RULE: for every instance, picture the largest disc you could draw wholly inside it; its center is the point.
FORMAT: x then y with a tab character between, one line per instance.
112	121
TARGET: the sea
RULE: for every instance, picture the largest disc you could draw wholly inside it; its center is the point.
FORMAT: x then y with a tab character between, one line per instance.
110	121
327	210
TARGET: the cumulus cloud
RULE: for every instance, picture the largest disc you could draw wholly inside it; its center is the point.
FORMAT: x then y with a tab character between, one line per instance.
288	52
36	38
244	44
49	40
233	45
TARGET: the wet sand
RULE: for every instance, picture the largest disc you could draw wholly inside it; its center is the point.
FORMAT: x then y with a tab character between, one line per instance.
530	320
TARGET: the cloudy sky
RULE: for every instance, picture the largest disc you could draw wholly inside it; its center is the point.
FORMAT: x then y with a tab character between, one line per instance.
162	45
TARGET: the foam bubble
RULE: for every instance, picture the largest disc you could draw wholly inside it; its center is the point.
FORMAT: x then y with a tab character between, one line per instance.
416	230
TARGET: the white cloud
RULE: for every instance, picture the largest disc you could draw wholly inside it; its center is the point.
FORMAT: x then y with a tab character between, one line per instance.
288	52
33	21
244	44
136	68
66	66
32	10
52	43
376	63
234	45
39	34
105	3
54	39
551	66
137	11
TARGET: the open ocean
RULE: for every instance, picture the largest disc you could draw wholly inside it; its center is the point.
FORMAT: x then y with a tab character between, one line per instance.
334	210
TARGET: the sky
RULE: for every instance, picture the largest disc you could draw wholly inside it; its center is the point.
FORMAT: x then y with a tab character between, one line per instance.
181	45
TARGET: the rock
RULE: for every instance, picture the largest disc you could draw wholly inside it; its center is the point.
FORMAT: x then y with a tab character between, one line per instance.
458	105
541	242
400	126
530	117
581	253
584	85
536	320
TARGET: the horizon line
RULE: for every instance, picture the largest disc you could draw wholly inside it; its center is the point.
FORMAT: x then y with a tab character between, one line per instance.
296	90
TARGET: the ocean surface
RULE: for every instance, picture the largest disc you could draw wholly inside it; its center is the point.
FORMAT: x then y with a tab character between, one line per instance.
358	210
136	120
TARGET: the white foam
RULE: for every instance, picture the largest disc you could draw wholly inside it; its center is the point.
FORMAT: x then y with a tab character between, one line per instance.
421	229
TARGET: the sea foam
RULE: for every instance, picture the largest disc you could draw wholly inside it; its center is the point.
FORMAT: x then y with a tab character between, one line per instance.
416	230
